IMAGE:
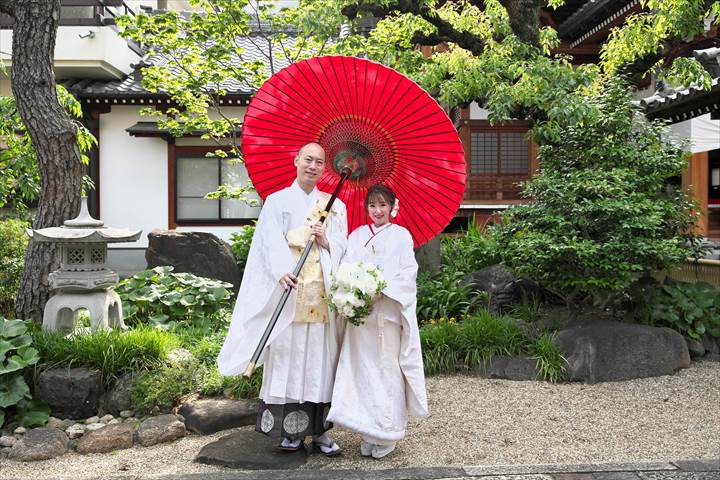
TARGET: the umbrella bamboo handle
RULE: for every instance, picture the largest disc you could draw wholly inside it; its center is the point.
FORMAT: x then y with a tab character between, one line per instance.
286	294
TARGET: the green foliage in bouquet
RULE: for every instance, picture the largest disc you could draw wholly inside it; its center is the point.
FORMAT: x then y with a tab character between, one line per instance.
17	353
163	298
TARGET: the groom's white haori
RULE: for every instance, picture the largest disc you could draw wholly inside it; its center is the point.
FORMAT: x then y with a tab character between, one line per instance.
301	356
380	378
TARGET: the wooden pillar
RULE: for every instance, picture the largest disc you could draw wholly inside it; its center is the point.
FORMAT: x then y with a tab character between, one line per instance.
171	184
534	160
465	138
695	182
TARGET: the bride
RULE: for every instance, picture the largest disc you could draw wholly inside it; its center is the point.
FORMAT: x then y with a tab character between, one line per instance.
380	379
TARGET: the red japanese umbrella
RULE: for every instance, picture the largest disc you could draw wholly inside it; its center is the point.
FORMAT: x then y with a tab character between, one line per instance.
364	113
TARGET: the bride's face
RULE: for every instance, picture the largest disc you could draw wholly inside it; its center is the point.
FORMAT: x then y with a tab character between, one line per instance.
379	211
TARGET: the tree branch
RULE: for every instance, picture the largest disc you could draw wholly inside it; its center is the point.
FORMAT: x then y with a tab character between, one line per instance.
446	31
524	21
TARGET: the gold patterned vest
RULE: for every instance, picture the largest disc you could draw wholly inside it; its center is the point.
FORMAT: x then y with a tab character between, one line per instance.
311	304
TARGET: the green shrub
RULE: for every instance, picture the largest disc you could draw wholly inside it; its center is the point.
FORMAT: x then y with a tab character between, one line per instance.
440	342
689	308
16	354
444	295
240	244
167	386
164	387
550	362
469	251
471	343
213	383
13	242
484	335
601	212
110	351
165	299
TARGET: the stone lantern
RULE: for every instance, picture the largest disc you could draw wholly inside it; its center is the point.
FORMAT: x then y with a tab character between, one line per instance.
83	281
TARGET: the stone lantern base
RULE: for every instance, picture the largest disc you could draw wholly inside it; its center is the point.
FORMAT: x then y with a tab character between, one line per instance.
104	307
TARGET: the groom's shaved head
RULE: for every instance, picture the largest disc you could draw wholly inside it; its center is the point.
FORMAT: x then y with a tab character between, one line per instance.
311	147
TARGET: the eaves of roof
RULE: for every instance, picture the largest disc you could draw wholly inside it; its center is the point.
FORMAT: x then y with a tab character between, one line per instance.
688	102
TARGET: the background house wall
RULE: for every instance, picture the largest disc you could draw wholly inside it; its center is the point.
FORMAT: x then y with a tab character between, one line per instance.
134	183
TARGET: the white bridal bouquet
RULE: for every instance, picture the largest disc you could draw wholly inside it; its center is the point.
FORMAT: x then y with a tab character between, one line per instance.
354	287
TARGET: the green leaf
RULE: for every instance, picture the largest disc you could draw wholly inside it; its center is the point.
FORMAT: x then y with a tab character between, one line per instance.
12	389
11	328
33	413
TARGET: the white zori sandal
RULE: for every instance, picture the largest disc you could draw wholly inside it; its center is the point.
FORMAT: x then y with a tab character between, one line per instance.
379	451
290	445
324	444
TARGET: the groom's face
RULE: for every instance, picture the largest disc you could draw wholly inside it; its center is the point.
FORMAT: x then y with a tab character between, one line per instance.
310	163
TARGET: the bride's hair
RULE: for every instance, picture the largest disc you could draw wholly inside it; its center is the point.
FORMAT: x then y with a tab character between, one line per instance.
379	192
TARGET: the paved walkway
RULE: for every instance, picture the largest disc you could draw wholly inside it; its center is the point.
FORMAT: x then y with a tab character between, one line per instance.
675	470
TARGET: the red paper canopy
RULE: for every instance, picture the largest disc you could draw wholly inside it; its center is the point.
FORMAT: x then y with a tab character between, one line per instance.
358	108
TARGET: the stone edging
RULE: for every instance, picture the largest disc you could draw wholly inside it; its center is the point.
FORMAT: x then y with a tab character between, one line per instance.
454	473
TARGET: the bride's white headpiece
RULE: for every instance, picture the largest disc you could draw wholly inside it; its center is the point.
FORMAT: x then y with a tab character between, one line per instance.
395	208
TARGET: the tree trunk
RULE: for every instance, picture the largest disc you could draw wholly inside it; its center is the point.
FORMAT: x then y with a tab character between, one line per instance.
53	135
524	19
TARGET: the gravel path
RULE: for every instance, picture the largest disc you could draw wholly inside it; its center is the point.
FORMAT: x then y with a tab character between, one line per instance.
476	421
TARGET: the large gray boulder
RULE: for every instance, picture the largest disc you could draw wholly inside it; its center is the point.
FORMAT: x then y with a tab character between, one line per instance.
486	278
711	345
40	444
70	392
429	256
200	253
504	288
249	450
511	368
604	351
213	415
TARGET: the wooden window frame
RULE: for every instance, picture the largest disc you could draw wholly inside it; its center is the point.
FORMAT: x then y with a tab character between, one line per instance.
515	126
174	152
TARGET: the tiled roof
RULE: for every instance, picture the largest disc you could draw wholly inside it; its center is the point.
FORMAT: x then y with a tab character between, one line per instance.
255	47
688	102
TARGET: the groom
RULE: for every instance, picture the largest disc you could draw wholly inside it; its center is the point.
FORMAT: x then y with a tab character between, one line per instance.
301	354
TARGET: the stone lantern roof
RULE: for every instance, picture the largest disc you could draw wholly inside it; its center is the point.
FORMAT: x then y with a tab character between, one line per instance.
84	229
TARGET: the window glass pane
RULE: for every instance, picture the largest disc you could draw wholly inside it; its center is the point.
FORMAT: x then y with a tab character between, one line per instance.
514	153
484	153
196	176
197	209
234	173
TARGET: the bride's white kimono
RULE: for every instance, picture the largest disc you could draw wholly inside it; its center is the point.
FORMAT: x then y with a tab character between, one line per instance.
380	377
301	356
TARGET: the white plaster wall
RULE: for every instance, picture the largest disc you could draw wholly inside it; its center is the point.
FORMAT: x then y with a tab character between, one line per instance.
477	113
133	178
702	132
133	175
102	55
